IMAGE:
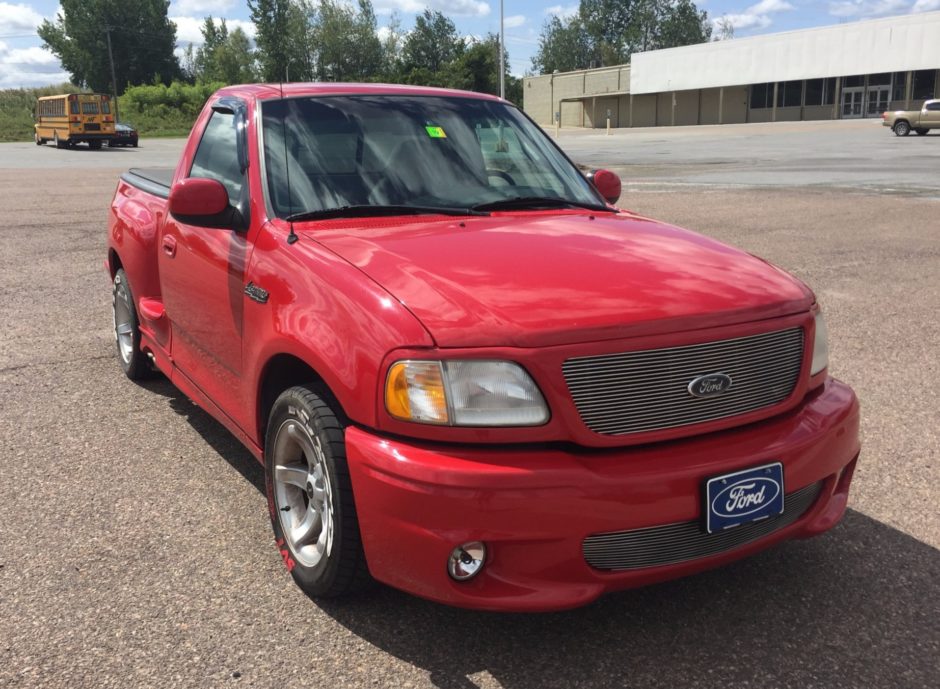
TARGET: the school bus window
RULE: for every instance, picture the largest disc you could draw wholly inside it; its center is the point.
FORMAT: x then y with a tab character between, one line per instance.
105	107
73	107
89	108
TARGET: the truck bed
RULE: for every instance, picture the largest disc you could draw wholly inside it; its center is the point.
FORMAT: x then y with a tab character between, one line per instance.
153	180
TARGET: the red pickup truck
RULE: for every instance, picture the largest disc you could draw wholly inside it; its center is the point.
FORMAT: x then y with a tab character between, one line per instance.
467	373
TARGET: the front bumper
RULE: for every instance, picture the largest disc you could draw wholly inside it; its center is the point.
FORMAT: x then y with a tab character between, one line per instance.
534	507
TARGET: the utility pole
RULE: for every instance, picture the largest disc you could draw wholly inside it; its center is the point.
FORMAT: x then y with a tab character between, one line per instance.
502	54
107	31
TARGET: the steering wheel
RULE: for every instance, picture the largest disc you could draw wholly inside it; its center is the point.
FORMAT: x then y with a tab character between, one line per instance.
502	175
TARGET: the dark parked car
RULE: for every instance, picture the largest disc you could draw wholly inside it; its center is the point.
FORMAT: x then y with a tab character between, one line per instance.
124	135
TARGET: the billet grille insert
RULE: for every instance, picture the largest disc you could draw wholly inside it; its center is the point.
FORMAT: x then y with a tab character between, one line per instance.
673	543
636	392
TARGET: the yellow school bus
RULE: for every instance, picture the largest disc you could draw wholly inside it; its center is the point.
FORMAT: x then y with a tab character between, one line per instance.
73	118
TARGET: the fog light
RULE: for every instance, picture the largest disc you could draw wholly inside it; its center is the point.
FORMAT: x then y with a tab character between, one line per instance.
466	560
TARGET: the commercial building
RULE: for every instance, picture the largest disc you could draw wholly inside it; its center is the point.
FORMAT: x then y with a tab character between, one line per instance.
857	69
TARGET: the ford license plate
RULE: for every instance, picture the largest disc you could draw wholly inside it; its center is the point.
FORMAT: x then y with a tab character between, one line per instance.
743	496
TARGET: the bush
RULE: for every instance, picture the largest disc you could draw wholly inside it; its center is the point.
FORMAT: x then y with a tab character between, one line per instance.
160	110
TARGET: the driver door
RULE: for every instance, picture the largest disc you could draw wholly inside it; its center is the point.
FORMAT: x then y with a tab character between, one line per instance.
202	275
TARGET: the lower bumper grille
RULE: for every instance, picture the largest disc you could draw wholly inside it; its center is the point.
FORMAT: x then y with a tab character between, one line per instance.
684	541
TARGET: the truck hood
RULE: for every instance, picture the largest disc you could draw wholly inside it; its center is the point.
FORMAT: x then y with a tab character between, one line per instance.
542	279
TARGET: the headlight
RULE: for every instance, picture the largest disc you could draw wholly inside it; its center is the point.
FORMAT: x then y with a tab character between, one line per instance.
820	346
464	393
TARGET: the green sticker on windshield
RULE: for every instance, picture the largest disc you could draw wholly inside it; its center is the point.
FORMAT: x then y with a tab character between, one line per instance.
435	132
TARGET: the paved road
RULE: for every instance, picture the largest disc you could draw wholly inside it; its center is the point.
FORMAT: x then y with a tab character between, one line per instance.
135	548
853	154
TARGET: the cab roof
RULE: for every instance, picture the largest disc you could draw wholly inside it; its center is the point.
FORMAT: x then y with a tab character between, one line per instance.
293	90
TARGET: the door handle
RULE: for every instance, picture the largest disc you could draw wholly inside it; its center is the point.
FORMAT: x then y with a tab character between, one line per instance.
169	245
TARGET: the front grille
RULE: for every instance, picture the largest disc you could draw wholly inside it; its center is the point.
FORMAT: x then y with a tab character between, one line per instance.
92	127
684	541
635	392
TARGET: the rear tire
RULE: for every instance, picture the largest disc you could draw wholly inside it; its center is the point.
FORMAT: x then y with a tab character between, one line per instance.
58	142
94	145
134	362
902	128
310	497
39	142
920	132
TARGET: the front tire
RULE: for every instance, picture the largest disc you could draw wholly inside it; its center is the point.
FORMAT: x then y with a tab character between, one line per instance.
133	362
310	498
902	129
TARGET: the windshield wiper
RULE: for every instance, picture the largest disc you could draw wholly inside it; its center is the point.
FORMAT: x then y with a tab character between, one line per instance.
521	202
368	210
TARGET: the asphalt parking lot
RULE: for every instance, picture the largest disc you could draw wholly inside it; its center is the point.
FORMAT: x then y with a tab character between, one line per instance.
135	548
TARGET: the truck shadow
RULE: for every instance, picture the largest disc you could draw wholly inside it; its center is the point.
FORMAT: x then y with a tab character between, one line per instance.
214	433
857	607
854	608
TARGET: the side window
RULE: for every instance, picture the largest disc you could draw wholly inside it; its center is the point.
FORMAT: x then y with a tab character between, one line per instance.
933	106
217	155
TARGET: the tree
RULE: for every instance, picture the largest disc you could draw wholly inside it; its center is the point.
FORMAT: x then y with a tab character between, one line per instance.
684	24
142	41
282	36
433	43
235	61
344	42
392	48
224	57
724	29
608	32
563	46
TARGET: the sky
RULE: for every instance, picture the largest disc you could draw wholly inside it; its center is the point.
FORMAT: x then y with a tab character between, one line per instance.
23	61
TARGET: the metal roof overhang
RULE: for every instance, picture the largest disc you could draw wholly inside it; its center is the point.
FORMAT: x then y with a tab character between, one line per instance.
892	44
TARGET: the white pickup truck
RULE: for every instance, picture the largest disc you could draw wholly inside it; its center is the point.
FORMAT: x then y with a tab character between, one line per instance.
920	121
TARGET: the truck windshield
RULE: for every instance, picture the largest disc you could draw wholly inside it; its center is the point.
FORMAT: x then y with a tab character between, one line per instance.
348	152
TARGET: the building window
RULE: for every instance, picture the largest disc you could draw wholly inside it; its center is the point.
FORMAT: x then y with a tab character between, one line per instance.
899	88
789	94
762	96
856	80
820	91
883	79
924	84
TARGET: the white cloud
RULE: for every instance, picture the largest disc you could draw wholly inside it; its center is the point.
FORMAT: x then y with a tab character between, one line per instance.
562	10
215	7
457	8
867	8
514	22
756	16
32	66
926	6
18	18
189	29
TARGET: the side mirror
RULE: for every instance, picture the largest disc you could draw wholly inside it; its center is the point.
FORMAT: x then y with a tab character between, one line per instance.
202	202
607	183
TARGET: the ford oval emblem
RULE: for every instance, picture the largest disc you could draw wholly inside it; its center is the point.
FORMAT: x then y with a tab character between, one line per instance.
746	496
710	385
